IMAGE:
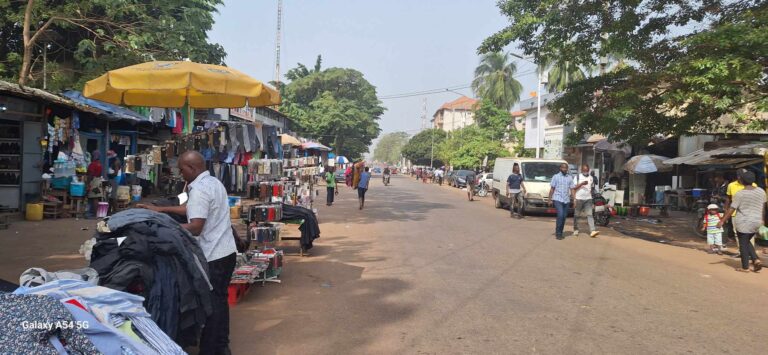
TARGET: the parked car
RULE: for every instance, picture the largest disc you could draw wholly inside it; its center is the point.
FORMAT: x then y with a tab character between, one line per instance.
537	176
448	179
339	176
488	178
460	179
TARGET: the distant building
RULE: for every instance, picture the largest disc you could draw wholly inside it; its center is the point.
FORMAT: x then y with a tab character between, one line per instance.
552	133
455	114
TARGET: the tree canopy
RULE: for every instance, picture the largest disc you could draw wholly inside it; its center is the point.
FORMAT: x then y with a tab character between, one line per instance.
494	80
419	148
389	148
674	80
337	106
85	38
466	148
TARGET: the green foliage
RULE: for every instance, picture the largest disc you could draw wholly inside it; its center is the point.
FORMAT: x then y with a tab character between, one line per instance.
89	37
494	80
419	148
389	147
301	70
467	147
494	120
560	74
663	83
336	106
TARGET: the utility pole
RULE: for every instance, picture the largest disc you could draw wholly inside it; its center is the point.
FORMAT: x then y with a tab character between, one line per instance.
277	41
424	114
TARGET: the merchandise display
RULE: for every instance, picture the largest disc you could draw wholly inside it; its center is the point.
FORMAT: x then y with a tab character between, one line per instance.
150	254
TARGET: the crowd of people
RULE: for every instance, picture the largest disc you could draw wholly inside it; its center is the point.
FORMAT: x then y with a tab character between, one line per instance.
356	176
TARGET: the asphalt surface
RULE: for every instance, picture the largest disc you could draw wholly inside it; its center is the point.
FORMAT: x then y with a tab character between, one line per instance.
423	271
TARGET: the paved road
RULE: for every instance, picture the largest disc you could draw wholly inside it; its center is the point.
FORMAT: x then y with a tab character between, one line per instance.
423	271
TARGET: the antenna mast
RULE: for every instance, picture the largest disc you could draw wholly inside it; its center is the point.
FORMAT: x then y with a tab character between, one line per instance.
277	41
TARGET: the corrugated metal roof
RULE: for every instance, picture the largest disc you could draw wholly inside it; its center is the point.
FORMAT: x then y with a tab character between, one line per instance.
730	156
114	112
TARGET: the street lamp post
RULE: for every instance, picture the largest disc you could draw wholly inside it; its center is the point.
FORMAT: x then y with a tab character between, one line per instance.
538	104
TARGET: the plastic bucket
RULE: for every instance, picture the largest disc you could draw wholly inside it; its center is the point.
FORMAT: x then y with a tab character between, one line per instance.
645	211
34	212
101	212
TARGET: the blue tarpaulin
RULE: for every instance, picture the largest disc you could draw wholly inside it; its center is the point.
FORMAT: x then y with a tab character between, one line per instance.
110	111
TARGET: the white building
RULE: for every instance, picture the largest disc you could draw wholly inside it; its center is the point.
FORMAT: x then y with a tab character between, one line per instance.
551	134
455	114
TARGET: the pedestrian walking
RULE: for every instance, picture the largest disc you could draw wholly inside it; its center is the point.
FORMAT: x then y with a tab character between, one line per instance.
330	186
471	180
714	232
584	184
734	187
560	195
749	207
515	192
362	186
348	176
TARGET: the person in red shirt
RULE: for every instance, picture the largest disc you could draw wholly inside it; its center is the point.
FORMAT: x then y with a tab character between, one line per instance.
94	168
93	181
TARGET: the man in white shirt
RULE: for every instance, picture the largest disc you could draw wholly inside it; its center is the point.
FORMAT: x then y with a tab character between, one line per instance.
584	184
208	217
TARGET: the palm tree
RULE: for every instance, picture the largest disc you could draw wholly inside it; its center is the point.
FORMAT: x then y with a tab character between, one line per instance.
560	74
494	80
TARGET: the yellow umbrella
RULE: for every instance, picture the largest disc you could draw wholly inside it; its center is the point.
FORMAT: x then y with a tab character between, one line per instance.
289	139
175	84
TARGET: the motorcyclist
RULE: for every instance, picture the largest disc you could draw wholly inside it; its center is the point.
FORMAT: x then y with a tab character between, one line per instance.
386	174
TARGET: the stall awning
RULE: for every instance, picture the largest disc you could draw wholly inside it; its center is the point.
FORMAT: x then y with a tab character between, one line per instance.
315	146
736	156
287	139
110	111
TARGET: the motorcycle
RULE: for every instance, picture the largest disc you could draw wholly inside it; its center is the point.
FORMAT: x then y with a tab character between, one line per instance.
602	212
481	189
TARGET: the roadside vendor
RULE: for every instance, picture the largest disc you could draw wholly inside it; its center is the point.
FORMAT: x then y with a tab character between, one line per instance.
95	189
208	217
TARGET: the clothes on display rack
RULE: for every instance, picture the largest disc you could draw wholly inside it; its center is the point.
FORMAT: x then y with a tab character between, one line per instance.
149	253
310	229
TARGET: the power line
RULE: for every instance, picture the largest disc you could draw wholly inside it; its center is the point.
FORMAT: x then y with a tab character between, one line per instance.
440	90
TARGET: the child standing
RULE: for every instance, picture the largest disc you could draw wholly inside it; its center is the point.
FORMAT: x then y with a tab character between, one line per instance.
714	234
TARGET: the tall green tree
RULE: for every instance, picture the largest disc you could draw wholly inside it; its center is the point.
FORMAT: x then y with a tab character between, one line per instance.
495	81
671	83
338	107
422	147
302	71
389	147
466	148
497	122
85	38
560	73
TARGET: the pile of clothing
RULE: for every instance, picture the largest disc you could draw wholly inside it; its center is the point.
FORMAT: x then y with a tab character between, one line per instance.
151	255
310	229
76	317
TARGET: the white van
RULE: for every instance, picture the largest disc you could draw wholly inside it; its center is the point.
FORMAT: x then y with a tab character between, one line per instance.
537	175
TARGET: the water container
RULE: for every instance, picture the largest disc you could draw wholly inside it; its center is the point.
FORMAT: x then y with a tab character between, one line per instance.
696	193
235	201
34	212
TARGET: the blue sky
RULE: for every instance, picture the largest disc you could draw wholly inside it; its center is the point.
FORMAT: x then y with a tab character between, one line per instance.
400	46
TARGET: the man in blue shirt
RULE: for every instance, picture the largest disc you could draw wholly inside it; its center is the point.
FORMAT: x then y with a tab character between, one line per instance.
362	186
515	191
560	195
